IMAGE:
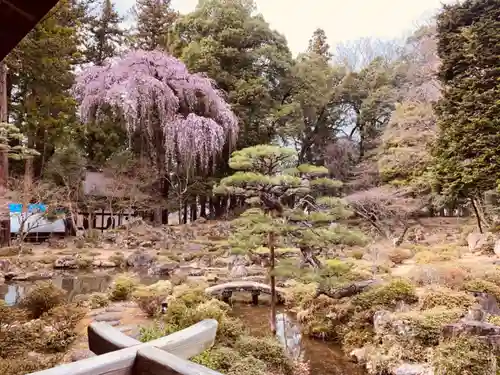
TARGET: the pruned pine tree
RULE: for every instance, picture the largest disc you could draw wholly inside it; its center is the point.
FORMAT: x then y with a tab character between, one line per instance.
14	142
289	207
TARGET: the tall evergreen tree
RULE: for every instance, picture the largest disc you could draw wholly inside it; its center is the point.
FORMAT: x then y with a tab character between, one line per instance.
154	22
101	140
41	74
106	34
467	151
318	44
236	47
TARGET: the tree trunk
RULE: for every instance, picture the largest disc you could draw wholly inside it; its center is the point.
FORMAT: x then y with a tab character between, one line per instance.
185	213
164	216
4	171
4	161
399	240
233	203
348	290
219	206
203	208
211	207
478	217
270	244
157	216
3	92
194	210
23	231
310	258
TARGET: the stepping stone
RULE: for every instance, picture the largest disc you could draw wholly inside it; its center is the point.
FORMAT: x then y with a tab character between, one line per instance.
108	317
127	328
97	312
115	308
134	334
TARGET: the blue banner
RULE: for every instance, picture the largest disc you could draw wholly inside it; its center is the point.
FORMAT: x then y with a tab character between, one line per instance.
32	208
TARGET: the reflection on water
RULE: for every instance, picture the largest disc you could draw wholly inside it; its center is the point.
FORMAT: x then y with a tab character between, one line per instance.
324	358
73	283
289	335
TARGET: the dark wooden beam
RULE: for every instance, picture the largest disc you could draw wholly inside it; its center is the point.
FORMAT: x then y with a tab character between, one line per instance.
18	18
18	10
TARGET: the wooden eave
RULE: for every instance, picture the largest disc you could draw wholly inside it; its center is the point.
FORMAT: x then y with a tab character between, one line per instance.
18	18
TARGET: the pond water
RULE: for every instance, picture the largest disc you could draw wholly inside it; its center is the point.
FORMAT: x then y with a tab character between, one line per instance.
324	358
73	283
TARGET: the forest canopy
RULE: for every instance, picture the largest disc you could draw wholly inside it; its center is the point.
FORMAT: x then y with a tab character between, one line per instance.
416	115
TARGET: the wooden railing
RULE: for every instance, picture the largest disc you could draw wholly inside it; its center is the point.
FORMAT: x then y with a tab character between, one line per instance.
119	354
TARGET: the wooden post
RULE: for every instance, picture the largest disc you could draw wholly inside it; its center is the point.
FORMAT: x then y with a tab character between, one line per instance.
4	162
255	297
3	92
226	296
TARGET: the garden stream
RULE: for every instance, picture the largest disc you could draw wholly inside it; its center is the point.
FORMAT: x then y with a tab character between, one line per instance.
324	358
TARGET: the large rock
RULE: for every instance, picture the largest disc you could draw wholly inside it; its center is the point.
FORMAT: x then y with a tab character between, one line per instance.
359	355
194	247
481	242
103	264
109	317
381	320
488	303
140	258
237	260
483	331
413	369
496	247
239	272
197	272
34	276
470	328
5	265
163	269
67	261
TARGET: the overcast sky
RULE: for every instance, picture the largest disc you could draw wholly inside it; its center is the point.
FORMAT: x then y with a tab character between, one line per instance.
341	19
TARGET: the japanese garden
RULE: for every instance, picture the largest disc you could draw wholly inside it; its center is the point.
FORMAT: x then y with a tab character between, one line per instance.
187	190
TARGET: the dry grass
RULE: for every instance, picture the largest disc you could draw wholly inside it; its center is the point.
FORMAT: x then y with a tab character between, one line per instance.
42	298
149	298
123	287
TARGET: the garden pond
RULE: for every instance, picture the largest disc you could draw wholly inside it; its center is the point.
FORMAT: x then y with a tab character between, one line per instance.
324	358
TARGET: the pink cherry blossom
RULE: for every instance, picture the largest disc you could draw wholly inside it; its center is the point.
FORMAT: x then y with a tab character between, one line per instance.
148	87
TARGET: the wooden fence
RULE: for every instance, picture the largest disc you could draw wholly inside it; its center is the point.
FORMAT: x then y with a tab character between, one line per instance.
119	354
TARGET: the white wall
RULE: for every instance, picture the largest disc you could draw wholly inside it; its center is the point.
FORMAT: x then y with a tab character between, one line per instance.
35	223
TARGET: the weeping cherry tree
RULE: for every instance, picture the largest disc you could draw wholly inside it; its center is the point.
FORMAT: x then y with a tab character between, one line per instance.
181	118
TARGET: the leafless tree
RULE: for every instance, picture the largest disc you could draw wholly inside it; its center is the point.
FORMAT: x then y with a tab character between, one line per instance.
422	64
128	185
38	192
388	210
340	157
357	54
65	171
